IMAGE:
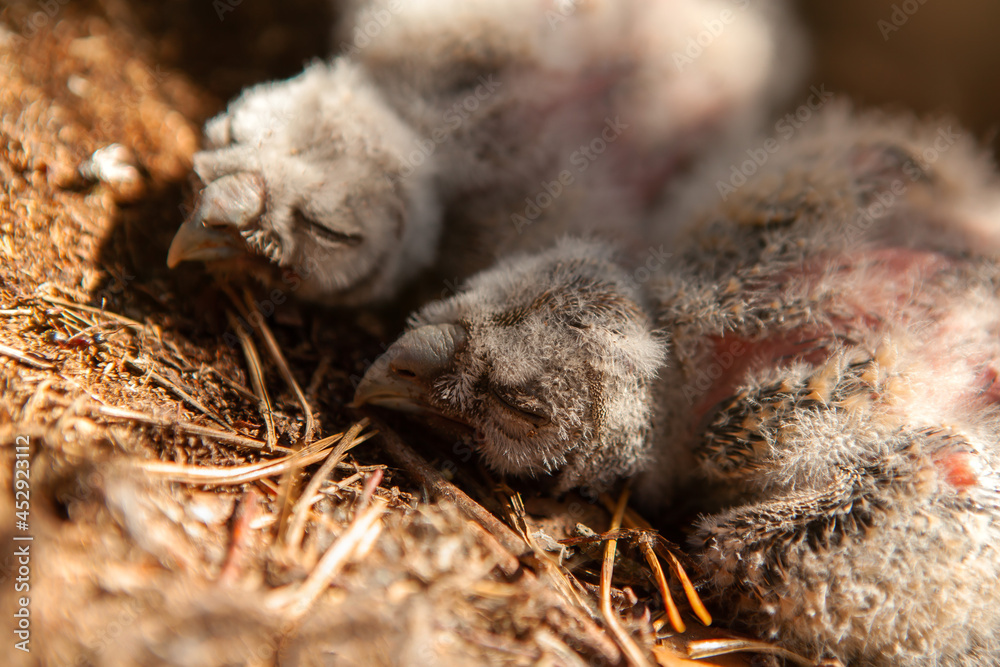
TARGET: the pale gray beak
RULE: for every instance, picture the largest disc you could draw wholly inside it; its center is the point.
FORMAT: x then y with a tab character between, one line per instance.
225	206
403	377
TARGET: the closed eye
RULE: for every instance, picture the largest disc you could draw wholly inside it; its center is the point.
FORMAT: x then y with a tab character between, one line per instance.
535	419
323	232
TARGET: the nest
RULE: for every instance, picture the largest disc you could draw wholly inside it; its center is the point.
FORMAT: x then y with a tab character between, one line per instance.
200	492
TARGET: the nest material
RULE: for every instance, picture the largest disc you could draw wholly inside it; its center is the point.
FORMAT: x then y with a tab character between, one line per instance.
182	512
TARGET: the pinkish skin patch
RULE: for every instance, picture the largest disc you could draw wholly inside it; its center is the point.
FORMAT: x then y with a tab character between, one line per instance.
643	178
753	355
990	393
957	467
893	274
891	277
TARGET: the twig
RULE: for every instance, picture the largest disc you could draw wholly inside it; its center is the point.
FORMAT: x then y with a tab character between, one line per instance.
441	488
75	321
363	530
334	488
628	645
661	581
634	520
247	512
232	384
355	468
318	374
256	377
90	309
708	648
564	654
288	480
231	475
279	360
620	534
286	488
368	490
692	595
624	597
172	386
95	327
26	359
297	524
506	561
668	656
188	428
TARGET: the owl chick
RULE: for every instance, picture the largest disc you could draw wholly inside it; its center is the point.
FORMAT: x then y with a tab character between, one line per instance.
453	132
815	371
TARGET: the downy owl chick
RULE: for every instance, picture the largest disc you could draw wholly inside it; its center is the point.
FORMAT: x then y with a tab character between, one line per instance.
545	362
815	371
453	132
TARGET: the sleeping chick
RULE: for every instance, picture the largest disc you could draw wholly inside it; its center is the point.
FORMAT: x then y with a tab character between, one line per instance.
815	371
547	361
453	132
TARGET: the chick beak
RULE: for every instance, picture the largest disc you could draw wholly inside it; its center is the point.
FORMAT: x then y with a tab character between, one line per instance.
403	378
225	206
195	241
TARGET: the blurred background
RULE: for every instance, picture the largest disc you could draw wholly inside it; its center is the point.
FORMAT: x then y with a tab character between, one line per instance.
925	55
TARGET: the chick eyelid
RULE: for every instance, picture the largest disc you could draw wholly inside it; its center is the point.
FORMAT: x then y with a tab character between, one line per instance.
534	418
324	232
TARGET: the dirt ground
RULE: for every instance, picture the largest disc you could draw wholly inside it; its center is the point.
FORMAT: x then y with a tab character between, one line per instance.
177	517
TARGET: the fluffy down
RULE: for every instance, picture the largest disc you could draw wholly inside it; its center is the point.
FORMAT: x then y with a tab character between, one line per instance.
451	133
814	371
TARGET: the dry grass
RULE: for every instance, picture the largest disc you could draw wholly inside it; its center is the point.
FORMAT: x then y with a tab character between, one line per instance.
191	503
